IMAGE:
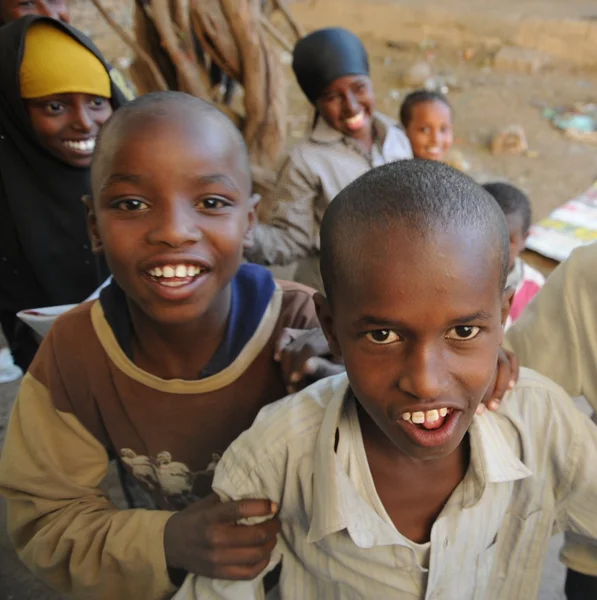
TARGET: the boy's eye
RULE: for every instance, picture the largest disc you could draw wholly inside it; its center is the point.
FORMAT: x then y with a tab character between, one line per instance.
131	205
383	336
213	203
463	332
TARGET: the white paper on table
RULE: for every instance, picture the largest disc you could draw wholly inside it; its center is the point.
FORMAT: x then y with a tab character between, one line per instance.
41	319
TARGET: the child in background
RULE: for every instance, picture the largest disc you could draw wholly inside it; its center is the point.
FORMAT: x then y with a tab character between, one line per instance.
349	137
55	95
388	484
525	280
164	371
427	120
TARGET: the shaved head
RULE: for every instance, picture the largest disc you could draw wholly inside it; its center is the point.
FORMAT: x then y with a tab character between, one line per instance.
410	198
190	114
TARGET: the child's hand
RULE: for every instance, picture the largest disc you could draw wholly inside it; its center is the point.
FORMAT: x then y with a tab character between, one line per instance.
206	539
507	376
305	357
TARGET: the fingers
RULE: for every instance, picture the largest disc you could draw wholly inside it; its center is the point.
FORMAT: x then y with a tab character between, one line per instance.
239	573
232	512
286	337
263	535
506	377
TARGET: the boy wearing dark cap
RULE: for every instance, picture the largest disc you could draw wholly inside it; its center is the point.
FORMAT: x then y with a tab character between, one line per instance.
389	485
167	368
349	137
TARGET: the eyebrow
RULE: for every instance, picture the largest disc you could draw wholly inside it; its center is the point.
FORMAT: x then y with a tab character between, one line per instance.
372	321
201	179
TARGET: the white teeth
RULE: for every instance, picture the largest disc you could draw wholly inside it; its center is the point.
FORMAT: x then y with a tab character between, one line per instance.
173	283
82	146
178	271
432	416
356	119
418	417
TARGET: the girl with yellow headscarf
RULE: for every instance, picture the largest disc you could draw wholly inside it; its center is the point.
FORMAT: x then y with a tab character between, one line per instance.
55	94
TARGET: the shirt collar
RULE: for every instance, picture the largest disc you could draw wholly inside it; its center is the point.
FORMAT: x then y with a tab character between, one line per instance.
337	504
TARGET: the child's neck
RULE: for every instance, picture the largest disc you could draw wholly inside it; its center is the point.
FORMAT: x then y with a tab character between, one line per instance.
180	351
413	492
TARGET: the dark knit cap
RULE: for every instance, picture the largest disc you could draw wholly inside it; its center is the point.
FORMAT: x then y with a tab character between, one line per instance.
326	55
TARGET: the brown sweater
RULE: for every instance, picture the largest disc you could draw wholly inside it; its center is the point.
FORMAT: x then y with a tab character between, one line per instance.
84	400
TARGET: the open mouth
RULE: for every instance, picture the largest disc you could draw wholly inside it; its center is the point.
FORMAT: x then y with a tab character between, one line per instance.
432	427
434	151
356	122
430	419
84	147
175	276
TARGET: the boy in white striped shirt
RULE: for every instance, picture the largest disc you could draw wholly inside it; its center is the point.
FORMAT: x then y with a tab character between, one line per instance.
387	482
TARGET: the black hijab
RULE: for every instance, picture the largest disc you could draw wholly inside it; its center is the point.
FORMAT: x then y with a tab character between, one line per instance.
326	55
45	256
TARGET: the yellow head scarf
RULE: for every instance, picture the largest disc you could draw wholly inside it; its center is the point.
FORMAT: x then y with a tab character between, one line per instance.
56	63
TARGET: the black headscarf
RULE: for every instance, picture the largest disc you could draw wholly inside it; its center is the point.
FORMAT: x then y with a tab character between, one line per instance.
45	255
326	55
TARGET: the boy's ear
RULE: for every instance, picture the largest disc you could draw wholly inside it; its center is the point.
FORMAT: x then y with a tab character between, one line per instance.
96	241
248	239
326	319
507	299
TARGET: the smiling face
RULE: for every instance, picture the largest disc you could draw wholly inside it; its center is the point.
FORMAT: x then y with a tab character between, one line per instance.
418	321
430	130
171	212
67	125
11	10
348	104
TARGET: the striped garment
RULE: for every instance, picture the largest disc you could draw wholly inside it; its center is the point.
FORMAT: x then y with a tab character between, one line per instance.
533	472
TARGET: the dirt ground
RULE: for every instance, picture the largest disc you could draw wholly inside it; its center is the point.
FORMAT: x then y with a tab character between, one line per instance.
484	100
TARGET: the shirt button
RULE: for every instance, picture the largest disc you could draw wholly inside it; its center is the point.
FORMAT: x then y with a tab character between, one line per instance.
87	262
85	246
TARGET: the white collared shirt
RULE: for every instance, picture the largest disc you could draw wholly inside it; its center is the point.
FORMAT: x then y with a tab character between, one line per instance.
532	472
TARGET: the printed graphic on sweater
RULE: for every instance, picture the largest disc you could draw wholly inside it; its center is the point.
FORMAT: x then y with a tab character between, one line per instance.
172	480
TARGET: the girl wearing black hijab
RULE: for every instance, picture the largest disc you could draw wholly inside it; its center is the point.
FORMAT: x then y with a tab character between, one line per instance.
55	93
348	139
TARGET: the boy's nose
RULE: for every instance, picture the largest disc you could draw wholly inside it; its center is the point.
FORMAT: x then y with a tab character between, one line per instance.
175	228
351	106
424	373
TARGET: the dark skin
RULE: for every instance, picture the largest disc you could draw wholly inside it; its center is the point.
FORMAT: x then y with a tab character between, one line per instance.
347	105
11	10
417	333
67	125
518	236
171	188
